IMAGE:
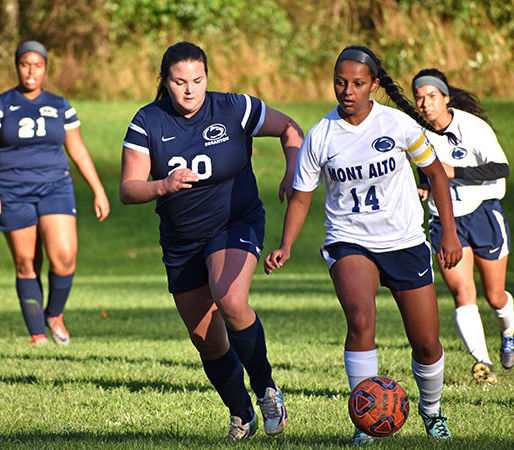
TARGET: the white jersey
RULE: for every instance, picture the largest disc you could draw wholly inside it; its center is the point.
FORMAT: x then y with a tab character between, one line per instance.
477	145
371	196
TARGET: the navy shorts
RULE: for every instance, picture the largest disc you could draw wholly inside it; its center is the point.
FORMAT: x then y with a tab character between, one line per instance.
485	230
23	203
400	270
188	271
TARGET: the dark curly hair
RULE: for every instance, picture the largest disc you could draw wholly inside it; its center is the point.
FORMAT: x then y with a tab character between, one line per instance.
459	98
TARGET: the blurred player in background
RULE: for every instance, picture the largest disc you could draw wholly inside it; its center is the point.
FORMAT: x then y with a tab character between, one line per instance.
477	168
197	147
375	223
37	200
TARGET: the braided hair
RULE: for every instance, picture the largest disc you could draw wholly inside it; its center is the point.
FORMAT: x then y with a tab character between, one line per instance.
391	88
181	51
459	98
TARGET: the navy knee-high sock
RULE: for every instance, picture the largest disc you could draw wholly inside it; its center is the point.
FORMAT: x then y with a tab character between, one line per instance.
58	292
227	376
250	346
31	302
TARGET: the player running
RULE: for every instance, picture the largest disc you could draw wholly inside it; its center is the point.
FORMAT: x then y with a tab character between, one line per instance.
37	201
477	168
197	147
375	222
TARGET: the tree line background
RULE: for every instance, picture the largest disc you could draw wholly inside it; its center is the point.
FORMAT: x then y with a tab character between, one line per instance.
280	50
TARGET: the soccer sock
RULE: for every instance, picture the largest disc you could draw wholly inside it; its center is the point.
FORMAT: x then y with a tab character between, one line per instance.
360	365
429	379
58	291
505	316
31	302
469	324
250	346
227	376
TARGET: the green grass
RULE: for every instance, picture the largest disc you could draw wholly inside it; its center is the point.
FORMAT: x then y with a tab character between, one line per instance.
133	379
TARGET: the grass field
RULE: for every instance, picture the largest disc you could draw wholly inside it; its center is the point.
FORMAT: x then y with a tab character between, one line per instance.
133	380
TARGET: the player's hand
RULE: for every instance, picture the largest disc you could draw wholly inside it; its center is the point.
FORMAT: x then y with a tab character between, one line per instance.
450	251
423	191
286	186
179	179
450	170
275	260
101	205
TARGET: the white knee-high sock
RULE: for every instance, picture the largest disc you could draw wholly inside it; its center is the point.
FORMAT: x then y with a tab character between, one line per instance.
360	365
505	316
429	379
469	324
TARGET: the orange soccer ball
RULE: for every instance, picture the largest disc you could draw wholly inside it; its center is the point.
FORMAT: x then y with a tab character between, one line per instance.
378	406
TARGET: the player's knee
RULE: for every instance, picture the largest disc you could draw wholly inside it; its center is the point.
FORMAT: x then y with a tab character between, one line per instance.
496	297
63	264
24	266
428	350
360	323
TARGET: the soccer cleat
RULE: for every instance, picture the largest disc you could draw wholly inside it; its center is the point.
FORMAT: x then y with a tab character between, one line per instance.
58	331
436	426
238	431
273	411
38	339
361	438
507	352
484	372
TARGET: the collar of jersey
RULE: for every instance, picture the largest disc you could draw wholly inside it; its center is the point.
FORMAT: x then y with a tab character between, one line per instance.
39	99
197	117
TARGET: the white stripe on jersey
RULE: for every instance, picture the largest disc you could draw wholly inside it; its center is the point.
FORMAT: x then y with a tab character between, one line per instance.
261	119
72	125
501	223
137	148
138	129
247	111
70	113
1	114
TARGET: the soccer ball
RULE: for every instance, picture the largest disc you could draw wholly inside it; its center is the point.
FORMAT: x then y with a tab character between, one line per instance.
378	406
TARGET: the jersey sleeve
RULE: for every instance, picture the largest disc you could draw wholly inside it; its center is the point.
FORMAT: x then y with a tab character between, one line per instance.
418	147
486	143
137	136
251	110
71	120
308	175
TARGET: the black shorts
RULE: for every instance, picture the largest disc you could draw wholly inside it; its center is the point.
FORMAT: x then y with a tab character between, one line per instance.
485	230
24	203
188	271
400	270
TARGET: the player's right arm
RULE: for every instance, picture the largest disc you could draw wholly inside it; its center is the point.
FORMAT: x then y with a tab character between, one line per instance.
296	213
135	186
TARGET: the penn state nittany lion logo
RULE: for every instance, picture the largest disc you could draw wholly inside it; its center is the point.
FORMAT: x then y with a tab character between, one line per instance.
214	132
383	144
459	153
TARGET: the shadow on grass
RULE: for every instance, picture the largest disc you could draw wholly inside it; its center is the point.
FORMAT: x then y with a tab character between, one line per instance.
174	439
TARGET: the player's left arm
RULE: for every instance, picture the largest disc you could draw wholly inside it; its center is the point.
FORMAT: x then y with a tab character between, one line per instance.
77	151
291	137
450	249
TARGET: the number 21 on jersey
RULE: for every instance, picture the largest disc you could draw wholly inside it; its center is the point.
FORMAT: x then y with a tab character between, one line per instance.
30	127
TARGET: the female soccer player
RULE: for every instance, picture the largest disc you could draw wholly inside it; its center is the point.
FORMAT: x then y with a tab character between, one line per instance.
37	200
374	222
197	146
477	168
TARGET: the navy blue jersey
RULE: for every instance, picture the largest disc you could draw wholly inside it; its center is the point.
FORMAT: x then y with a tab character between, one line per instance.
216	144
32	134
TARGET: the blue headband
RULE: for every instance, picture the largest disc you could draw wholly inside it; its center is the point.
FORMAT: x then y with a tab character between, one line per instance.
354	54
429	80
31	46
